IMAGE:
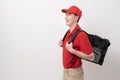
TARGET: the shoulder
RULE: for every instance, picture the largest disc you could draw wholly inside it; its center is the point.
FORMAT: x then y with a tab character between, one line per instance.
82	34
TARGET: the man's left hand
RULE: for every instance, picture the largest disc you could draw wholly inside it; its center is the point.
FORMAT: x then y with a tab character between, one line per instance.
69	47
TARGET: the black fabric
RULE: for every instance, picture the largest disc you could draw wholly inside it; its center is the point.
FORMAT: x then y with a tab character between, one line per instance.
100	46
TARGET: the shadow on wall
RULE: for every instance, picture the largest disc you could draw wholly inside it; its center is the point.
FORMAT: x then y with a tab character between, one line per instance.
110	69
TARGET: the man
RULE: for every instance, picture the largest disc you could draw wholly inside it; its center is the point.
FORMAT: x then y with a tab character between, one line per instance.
79	48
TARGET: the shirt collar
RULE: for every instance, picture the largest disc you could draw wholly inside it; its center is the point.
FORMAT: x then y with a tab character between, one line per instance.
77	27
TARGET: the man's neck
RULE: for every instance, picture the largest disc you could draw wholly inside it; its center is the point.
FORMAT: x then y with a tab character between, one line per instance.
72	27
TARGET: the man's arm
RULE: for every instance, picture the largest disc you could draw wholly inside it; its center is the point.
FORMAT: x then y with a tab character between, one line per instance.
80	54
60	43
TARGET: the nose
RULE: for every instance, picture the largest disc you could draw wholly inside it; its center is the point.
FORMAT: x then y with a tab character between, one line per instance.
66	17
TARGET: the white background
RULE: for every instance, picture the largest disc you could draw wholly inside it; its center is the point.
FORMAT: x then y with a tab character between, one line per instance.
30	31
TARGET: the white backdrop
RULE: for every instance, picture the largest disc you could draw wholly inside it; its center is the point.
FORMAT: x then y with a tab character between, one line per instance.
30	30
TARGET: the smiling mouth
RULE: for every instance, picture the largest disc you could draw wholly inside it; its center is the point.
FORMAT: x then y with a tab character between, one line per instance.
67	21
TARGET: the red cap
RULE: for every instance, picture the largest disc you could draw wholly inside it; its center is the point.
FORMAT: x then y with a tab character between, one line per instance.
73	10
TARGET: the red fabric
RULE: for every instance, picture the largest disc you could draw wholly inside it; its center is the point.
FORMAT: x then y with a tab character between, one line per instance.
81	43
73	10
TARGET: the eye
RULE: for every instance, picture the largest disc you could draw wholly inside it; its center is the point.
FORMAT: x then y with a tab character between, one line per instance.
68	14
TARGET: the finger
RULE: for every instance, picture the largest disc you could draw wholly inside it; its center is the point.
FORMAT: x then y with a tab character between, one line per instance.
71	43
67	43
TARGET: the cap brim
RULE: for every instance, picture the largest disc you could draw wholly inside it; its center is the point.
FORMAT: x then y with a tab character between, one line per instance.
64	10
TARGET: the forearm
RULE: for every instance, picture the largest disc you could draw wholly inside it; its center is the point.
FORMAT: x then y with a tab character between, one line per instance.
83	55
79	53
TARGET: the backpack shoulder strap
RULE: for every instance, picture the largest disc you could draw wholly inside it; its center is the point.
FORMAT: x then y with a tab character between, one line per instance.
74	35
71	40
65	36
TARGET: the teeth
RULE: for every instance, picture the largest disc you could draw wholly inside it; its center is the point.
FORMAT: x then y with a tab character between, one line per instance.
67	21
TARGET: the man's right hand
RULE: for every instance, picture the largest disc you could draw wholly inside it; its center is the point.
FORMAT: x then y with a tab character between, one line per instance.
60	43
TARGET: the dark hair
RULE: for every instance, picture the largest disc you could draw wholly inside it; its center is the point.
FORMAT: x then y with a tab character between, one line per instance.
78	18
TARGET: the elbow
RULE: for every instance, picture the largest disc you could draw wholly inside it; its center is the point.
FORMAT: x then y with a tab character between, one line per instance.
90	57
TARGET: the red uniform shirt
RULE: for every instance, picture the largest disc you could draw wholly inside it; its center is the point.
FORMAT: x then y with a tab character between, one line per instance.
80	43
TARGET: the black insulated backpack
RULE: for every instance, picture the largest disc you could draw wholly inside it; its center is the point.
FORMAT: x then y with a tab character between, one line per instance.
100	46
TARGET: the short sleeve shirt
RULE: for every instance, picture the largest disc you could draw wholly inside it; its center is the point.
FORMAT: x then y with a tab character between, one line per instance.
80	43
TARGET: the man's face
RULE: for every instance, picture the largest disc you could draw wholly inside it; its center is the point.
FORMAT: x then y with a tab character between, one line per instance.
70	19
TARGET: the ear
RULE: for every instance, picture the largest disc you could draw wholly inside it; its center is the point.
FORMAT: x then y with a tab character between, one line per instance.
76	18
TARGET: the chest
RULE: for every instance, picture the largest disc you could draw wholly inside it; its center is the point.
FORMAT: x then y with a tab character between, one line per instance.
75	43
